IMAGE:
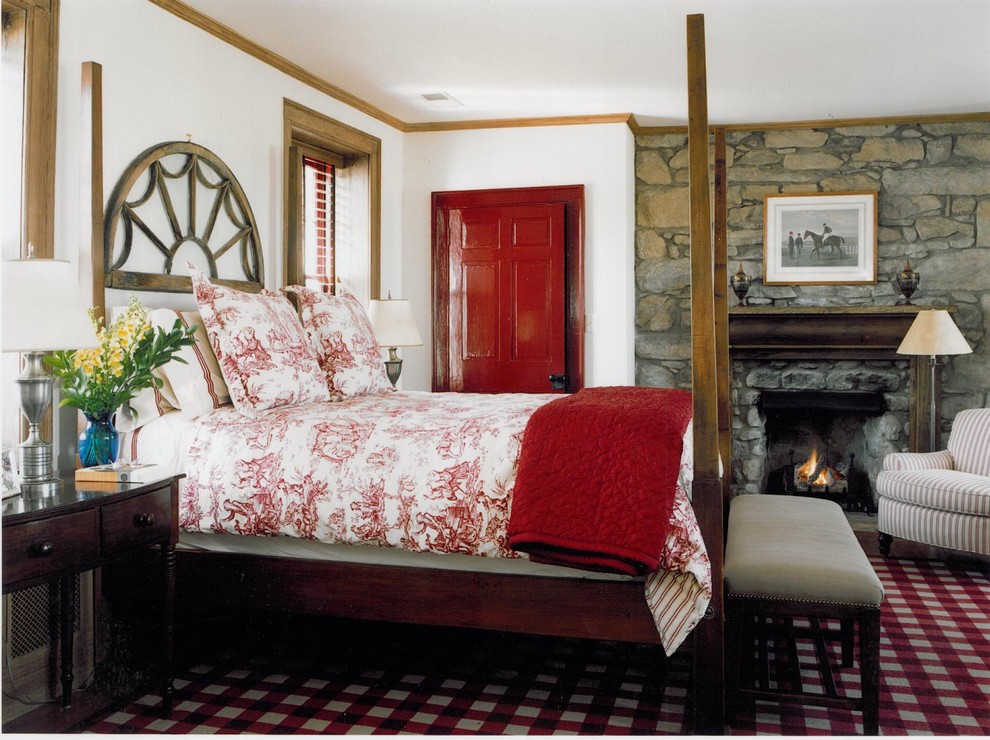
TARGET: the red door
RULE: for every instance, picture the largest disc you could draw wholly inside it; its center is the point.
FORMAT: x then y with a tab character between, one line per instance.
508	298
507	317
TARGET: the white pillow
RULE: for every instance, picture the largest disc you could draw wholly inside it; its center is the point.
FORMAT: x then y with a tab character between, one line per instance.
263	352
348	352
147	405
198	385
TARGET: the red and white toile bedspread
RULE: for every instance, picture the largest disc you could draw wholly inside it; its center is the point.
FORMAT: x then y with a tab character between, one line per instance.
414	470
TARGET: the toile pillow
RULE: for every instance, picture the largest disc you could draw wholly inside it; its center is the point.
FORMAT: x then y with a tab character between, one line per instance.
197	385
264	354
346	347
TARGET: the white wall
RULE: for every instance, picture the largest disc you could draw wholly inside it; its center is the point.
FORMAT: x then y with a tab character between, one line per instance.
598	156
163	79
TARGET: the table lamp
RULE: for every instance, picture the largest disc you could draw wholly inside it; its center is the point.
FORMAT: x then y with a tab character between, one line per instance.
394	327
42	312
933	333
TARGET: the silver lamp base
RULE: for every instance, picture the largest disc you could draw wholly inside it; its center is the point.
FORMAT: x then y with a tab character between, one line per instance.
393	366
34	455
41	489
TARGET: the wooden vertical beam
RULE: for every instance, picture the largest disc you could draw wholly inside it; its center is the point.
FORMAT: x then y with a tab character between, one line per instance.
708	692
91	186
723	364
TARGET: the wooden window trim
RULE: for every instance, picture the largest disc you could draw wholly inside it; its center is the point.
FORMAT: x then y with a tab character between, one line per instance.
307	128
40	105
315	152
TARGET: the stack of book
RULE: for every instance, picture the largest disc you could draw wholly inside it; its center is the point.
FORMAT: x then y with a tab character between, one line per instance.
121	473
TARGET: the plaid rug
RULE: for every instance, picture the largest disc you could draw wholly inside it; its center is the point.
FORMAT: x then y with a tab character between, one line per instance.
337	678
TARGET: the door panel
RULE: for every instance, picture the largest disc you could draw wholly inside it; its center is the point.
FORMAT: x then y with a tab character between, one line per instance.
532	311
480	310
508	279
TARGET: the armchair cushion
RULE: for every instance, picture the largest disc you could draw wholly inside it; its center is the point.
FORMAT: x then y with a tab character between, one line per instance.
944	490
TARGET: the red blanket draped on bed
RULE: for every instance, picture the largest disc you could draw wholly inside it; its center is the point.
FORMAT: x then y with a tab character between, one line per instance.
596	479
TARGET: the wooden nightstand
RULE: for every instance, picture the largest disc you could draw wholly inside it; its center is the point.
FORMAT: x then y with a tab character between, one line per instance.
84	526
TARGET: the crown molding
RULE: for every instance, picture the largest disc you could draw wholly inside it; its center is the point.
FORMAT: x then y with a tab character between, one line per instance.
823	123
519	122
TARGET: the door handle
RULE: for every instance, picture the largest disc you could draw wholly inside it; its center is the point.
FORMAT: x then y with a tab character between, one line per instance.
558	382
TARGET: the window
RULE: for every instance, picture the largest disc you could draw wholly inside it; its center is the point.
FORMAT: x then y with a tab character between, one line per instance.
332	204
319	224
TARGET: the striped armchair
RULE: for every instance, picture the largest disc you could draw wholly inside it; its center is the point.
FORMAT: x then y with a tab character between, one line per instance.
940	498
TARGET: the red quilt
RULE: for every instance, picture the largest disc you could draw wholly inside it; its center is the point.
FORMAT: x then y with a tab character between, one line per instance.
597	475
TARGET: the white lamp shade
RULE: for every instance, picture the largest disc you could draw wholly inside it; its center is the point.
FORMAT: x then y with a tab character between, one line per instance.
42	307
934	333
393	323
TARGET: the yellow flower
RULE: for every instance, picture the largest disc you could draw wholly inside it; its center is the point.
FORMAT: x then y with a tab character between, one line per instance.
100	380
86	359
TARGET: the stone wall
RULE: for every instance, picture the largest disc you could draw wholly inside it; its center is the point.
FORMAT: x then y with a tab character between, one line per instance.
933	184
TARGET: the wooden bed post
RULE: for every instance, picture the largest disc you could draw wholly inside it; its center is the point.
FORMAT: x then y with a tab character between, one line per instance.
91	185
723	365
709	673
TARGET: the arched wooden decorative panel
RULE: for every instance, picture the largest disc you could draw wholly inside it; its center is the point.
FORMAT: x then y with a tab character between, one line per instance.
179	202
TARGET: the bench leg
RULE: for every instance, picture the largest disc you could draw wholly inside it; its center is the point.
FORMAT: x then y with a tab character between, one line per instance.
869	660
848	627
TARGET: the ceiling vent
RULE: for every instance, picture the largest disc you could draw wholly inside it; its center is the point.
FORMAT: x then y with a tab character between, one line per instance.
441	99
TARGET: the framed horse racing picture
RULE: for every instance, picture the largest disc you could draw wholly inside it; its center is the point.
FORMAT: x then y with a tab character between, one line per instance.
820	239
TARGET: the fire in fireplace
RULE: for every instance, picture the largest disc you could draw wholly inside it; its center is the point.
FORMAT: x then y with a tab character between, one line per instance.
817	475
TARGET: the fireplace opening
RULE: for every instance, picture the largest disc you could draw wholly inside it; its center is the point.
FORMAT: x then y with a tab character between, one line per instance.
813	441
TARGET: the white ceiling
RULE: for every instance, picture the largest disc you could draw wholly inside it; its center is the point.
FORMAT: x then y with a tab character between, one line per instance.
768	60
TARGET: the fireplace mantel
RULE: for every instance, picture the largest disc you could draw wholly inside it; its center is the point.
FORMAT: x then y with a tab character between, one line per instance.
838	333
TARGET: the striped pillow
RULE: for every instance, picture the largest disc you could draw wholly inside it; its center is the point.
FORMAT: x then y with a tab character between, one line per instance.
197	385
147	405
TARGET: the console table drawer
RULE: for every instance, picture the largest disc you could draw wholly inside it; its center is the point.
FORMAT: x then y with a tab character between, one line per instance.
44	548
142	520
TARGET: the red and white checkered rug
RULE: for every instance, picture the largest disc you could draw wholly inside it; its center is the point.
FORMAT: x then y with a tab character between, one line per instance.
935	674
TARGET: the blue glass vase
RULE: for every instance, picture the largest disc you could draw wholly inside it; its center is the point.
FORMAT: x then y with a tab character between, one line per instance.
99	442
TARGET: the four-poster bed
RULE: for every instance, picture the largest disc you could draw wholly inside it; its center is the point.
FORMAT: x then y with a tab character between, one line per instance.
567	607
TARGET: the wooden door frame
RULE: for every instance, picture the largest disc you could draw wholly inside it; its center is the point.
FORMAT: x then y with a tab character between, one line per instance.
572	196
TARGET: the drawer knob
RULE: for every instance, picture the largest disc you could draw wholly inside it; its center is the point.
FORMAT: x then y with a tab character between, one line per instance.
42	549
144	520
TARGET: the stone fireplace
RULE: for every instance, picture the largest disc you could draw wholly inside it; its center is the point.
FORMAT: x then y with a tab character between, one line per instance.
828	380
847	413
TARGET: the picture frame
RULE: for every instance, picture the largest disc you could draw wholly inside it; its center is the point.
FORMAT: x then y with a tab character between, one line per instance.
834	239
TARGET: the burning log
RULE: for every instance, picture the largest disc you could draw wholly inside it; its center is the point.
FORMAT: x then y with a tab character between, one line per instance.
818	476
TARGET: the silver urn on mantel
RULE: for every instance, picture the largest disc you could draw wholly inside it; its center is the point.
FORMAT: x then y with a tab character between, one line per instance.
907	281
741	283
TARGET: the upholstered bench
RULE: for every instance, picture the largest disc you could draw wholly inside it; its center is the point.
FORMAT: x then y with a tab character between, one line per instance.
792	563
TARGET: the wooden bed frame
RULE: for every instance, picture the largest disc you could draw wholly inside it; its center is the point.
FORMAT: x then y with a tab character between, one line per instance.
602	610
